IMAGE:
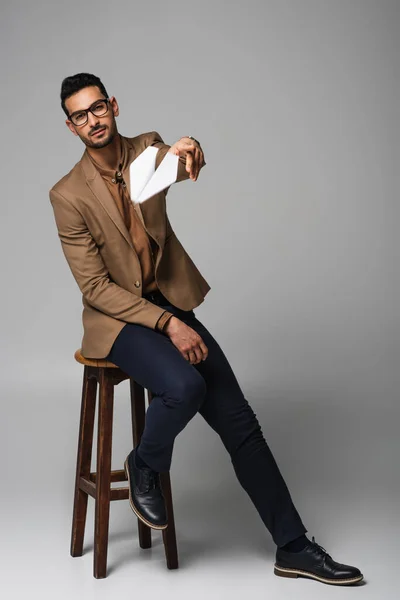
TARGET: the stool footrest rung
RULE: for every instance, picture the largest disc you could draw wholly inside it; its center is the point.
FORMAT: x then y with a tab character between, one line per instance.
121	493
89	487
115	476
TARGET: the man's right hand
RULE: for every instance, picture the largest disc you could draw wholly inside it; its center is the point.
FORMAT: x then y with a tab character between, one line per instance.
187	340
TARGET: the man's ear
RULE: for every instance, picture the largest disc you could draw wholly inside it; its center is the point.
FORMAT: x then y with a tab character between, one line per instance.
114	105
70	126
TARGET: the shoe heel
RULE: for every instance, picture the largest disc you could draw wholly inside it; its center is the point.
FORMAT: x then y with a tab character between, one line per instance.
285	574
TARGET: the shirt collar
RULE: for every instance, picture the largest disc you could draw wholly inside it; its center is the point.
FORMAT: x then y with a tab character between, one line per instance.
123	163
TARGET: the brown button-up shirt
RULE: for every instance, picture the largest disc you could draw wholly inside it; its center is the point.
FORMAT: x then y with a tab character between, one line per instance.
118	182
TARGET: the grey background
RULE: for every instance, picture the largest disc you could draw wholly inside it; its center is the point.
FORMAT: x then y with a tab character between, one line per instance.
292	222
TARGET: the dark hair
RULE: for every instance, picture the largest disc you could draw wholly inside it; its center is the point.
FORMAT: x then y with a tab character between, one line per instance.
75	83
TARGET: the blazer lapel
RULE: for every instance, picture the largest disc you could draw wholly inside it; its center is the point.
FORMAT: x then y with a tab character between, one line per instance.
150	212
101	192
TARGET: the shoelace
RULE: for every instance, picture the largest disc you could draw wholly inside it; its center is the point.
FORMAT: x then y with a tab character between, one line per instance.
150	479
320	548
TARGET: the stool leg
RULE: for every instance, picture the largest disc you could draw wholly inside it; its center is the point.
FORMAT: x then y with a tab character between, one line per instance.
138	411
103	473
85	441
169	535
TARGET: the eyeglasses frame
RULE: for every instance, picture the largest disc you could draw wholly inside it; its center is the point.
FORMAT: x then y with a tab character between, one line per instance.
87	110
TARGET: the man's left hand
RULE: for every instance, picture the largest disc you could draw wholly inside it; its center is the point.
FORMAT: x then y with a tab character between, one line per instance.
193	153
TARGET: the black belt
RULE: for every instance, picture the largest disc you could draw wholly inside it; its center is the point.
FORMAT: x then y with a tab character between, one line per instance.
156	298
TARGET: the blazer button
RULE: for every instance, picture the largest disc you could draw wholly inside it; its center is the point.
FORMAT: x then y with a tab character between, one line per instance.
137	283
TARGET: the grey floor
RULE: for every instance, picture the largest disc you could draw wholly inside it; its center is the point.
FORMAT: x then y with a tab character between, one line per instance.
347	494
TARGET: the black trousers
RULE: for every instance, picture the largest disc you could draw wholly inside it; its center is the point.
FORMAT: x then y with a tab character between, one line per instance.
180	390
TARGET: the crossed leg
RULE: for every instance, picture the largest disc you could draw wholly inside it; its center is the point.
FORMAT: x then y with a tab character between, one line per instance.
180	390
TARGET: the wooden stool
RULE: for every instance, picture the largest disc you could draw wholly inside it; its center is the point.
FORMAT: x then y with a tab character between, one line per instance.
98	484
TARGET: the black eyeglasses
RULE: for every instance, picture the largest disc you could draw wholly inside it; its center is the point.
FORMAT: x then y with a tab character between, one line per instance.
98	108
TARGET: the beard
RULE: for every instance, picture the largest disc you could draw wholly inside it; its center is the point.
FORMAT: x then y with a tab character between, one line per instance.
106	139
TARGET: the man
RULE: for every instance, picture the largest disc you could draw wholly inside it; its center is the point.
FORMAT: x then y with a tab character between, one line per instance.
139	288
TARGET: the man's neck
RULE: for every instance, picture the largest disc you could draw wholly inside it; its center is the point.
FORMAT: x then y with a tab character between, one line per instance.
109	156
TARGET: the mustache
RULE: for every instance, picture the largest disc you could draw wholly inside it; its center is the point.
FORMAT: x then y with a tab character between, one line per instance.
98	129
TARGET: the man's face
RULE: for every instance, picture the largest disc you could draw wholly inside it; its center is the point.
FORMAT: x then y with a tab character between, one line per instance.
105	125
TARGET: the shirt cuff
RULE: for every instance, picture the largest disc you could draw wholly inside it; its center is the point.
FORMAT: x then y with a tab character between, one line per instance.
163	320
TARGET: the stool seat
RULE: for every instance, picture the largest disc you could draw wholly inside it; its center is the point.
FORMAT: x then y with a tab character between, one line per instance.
93	362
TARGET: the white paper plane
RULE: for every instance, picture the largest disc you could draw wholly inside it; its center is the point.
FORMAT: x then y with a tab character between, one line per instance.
145	180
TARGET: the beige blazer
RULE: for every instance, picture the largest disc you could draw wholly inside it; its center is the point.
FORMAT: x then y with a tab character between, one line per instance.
102	258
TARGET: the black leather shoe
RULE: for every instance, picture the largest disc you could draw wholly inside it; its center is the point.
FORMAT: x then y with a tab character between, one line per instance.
145	495
314	561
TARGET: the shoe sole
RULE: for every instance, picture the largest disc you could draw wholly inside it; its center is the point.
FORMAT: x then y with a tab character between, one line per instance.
133	507
284	572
